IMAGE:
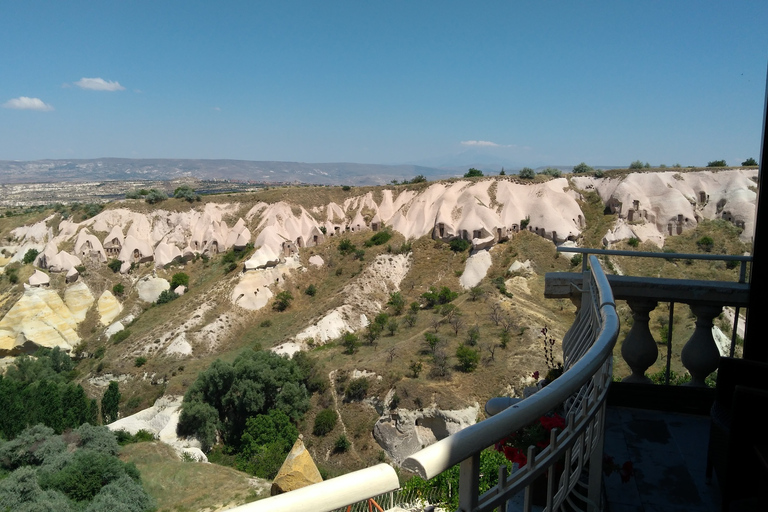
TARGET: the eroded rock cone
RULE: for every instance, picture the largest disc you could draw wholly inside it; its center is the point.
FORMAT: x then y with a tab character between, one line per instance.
297	471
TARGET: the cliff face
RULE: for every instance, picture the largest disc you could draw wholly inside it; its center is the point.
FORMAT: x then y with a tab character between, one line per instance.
650	206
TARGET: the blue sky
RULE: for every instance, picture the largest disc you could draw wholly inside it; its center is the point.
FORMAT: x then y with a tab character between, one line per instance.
528	82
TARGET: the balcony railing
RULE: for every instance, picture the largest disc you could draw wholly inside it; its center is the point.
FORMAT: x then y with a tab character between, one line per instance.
700	355
572	462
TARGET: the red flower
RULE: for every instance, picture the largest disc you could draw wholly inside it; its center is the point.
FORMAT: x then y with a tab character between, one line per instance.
554	421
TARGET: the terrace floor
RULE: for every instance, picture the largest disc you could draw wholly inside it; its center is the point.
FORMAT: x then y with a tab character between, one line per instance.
669	455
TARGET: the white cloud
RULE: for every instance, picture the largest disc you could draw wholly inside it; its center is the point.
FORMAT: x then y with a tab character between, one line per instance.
99	84
24	103
486	143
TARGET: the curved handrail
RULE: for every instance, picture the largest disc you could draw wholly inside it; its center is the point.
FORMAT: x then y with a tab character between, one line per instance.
331	494
436	458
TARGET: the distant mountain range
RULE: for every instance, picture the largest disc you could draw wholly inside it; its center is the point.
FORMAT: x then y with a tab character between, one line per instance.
162	169
119	169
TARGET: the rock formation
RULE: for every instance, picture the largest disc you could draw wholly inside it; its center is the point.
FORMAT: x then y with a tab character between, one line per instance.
298	470
403	432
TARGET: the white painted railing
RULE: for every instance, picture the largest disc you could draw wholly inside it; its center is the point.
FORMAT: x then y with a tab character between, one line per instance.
331	494
572	462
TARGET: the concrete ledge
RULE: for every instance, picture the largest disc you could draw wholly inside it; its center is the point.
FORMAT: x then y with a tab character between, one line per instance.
559	285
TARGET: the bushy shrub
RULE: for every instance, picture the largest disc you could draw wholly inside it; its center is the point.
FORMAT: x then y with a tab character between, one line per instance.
114	265
282	301
582	168
705	243
187	193
433	297
30	256
266	441
356	389
350	342
379	238
473	173
118	289
551	171
311	290
342	444
346	246
459	245
167	296
155	196
717	163
120	336
749	162
468	358
325	421
527	173
179	279
225	395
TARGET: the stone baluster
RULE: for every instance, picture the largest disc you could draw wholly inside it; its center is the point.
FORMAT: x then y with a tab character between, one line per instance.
639	348
700	355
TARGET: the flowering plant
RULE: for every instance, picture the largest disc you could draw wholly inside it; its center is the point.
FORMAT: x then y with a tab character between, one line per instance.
515	446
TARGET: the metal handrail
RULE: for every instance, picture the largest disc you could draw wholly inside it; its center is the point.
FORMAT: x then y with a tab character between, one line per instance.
666	255
331	494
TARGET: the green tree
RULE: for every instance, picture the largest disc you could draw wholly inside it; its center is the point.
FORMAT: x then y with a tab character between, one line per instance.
187	193
200	420
30	256
459	245
167	296
118	289
155	196
551	171
473	173
749	162
110	402
392	326
637	164
282	301
311	290
350	342
397	302
356	389
255	383
717	163
114	265
266	441
342	444
527	173
179	279
582	168
419	178
468	358
325	421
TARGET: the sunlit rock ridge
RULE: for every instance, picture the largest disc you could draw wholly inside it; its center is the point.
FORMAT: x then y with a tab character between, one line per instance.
650	206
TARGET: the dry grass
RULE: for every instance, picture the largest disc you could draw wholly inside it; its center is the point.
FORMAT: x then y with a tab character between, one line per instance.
186	486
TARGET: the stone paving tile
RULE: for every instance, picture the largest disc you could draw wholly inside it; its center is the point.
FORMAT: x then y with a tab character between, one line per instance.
668	452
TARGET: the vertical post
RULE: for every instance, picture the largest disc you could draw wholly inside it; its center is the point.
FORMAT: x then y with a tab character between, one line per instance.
754	347
469	482
669	342
735	331
595	489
